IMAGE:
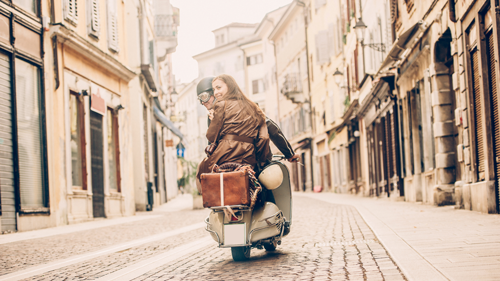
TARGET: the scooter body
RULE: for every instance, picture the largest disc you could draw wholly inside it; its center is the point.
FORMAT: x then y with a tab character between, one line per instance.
263	227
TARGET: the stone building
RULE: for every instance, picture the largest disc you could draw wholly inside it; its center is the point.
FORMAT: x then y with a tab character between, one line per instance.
292	71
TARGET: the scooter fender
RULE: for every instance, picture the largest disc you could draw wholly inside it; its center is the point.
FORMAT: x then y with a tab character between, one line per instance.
216	221
267	222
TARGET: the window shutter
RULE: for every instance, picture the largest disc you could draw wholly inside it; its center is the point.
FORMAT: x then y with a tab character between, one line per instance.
495	111
332	107
331	40
71	11
339	36
112	26
94	21
322	47
480	157
394	11
255	87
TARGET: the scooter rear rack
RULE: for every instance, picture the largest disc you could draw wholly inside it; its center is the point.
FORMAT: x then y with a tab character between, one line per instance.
234	207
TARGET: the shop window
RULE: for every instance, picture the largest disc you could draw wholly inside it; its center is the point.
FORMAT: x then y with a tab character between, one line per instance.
113	151
77	142
29	135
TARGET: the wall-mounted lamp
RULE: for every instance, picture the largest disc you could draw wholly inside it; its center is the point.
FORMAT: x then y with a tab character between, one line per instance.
338	76
84	93
356	133
360	28
118	107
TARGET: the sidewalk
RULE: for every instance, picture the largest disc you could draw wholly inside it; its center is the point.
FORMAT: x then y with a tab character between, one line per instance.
445	243
181	202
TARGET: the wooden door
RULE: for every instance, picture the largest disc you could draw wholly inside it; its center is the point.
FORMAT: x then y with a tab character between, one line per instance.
97	164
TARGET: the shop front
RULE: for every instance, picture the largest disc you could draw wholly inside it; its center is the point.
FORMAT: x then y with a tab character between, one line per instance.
24	184
96	130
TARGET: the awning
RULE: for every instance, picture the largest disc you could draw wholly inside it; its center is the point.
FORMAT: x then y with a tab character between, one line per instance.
148	72
402	43
167	123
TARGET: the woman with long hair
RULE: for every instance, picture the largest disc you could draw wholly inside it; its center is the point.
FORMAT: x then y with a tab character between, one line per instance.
238	128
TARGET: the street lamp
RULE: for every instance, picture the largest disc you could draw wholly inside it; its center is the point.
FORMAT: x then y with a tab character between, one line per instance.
337	76
360	28
174	95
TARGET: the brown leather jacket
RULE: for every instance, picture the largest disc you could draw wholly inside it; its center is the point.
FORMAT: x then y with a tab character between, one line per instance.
235	121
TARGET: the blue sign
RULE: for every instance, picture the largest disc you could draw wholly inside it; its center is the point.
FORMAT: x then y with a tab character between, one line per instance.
180	152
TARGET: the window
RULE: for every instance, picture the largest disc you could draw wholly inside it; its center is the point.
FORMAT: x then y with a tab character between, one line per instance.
113	151
255	59
29	135
28	5
77	142
257	86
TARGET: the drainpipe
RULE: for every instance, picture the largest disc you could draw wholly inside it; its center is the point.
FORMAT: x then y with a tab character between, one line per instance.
451	6
303	5
277	84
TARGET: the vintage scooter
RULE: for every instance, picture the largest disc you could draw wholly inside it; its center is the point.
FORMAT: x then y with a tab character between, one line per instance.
264	227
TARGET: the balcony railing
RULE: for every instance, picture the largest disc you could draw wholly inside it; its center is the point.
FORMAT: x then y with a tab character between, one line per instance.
292	88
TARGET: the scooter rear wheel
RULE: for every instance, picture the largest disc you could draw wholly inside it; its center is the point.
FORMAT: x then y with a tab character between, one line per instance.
270	247
240	253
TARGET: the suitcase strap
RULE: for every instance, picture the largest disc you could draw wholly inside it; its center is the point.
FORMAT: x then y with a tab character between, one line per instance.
222	189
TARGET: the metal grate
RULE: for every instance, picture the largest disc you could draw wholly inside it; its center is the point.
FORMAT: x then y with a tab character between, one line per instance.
478	122
494	107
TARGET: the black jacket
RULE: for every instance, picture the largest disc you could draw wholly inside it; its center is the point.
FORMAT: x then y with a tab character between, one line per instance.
279	139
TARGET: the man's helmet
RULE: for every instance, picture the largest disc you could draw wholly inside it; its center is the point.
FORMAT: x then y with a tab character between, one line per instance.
204	89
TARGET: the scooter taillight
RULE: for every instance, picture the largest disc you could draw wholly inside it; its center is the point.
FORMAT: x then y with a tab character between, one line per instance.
233	218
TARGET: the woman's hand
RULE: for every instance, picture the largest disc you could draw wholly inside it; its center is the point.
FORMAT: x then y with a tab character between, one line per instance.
211	114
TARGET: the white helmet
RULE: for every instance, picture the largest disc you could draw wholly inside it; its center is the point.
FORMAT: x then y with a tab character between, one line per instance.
271	177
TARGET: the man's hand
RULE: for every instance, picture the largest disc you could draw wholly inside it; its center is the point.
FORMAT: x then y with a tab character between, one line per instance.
211	114
294	158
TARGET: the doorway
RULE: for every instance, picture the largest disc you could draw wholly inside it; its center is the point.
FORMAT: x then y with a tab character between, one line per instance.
97	164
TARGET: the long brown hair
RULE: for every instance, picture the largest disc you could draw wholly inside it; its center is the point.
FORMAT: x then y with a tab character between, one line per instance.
234	92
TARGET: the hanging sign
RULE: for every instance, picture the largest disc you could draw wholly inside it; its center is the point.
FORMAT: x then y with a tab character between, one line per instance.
97	104
169	143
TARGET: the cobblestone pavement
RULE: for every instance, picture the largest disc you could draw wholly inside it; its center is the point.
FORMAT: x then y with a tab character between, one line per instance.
23	254
327	242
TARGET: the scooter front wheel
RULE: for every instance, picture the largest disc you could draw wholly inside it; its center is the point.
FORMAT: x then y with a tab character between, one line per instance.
240	253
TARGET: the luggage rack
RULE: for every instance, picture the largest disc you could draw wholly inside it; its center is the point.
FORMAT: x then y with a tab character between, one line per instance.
234	207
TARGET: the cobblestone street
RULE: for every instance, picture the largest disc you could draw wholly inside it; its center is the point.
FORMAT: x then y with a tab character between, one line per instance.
333	237
327	242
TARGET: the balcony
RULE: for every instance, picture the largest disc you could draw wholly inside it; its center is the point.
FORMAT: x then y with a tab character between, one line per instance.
166	23
292	88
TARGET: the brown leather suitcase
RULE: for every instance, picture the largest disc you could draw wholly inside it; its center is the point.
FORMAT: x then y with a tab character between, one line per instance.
225	189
